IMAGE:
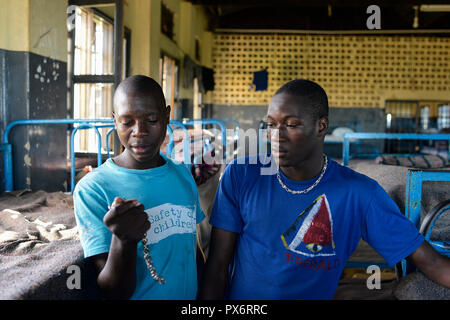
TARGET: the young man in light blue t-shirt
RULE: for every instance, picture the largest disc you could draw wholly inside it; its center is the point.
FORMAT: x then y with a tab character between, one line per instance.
137	213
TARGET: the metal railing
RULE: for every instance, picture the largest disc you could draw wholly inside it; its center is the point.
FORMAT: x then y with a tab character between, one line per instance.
84	126
96	124
6	147
413	208
221	124
399	136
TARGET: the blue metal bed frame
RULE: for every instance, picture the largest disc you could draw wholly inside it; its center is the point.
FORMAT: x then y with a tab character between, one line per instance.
237	131
413	206
99	151
214	122
186	142
95	124
400	136
7	147
236	128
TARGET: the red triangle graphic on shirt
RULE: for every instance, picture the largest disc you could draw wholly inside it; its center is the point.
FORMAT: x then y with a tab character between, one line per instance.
319	232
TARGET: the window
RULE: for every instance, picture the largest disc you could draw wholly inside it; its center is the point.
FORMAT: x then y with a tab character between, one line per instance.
425	117
167	21
388	120
443	117
169	81
93	55
197	49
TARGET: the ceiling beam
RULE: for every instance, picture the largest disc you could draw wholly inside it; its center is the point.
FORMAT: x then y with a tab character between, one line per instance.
315	3
91	3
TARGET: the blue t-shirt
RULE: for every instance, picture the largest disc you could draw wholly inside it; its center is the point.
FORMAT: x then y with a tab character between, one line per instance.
170	198
295	246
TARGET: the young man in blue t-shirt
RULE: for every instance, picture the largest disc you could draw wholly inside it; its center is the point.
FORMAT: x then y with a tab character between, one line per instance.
137	213
288	234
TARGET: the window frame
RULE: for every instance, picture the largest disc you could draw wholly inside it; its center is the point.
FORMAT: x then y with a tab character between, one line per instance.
92	78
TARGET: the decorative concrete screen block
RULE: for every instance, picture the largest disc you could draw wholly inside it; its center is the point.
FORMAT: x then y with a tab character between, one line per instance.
355	70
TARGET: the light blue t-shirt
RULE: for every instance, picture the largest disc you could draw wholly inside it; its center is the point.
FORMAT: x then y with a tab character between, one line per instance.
170	198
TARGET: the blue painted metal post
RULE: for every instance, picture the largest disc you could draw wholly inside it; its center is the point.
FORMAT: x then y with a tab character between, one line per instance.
346	151
107	141
413	206
8	166
413	195
72	152
107	135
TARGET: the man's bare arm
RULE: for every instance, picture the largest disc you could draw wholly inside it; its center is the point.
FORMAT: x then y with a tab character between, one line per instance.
116	270
214	280
431	263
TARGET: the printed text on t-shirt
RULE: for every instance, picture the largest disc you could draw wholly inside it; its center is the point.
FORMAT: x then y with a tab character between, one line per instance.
169	219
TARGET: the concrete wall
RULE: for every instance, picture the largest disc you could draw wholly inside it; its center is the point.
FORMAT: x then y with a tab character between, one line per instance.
14	16
371	120
248	116
356	70
48	31
34	26
33	77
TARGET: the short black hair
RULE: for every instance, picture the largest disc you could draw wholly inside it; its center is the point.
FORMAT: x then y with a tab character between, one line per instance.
144	85
310	91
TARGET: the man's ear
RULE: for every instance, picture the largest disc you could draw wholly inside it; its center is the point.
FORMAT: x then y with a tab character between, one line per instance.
114	118
168	113
323	126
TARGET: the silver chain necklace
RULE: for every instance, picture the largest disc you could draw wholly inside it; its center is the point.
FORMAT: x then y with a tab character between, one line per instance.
307	189
149	263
